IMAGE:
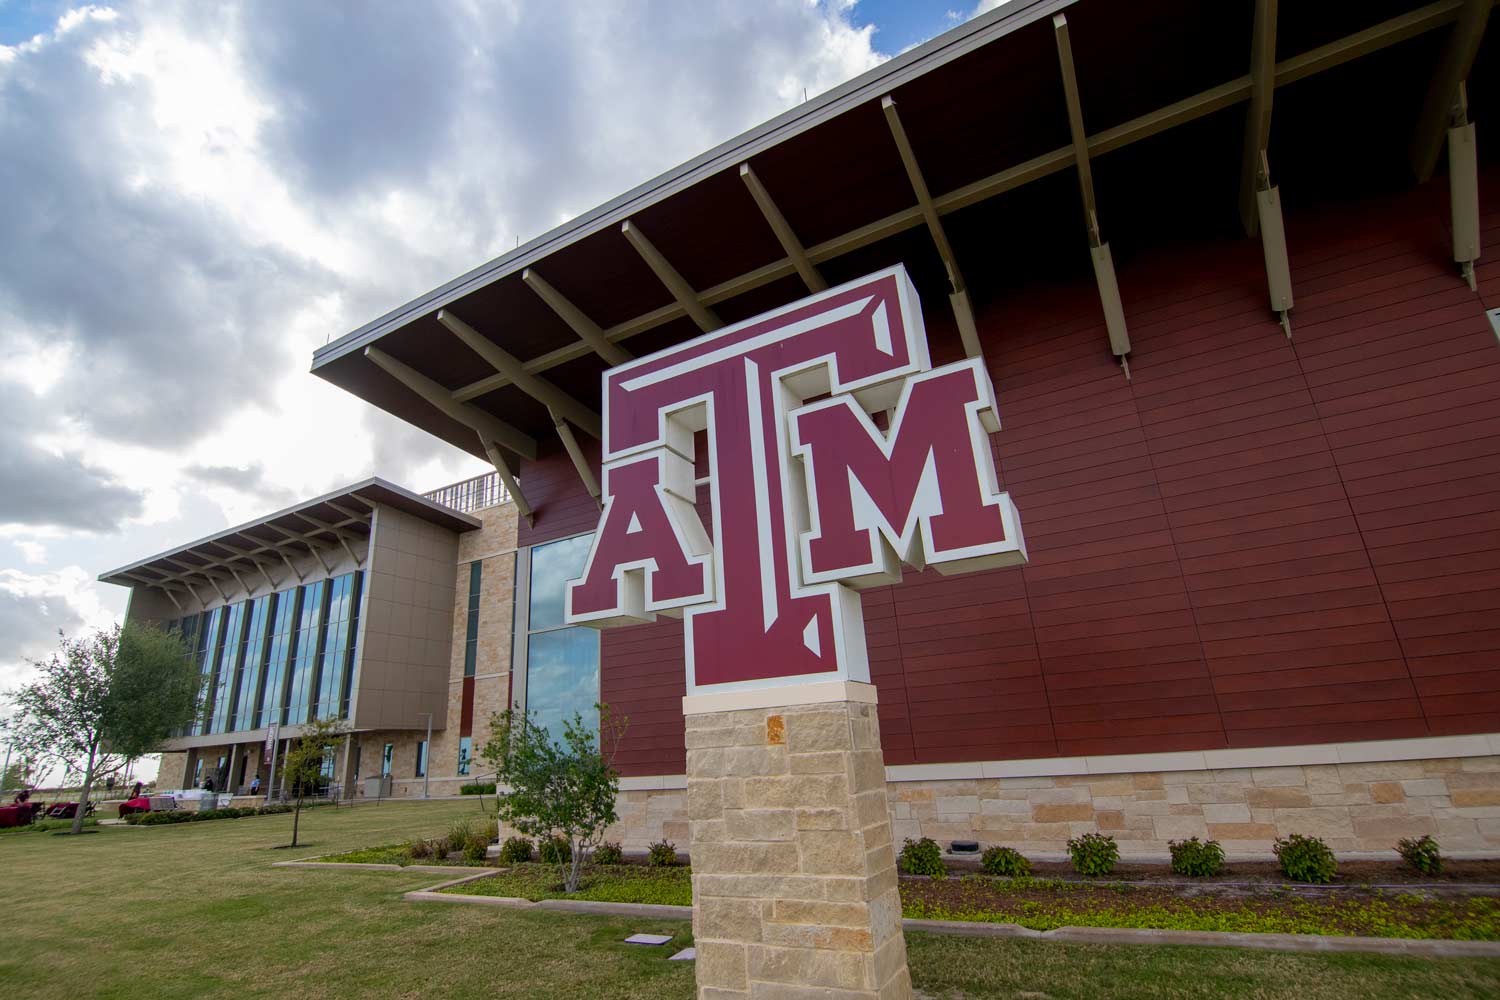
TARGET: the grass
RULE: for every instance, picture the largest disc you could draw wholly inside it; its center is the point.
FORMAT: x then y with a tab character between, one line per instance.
49	825
605	883
196	910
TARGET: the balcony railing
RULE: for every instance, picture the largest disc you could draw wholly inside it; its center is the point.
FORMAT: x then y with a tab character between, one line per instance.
469	495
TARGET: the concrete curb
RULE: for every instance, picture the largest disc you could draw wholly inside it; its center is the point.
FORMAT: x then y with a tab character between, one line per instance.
658	910
349	865
1421	948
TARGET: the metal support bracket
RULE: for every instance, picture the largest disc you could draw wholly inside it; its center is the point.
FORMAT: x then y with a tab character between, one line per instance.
1273	244
1463	190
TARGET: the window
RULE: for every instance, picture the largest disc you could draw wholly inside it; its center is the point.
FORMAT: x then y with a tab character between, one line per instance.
252	665
311	606
208	647
335	672
385	759
465	748
273	698
421	771
471	636
562	662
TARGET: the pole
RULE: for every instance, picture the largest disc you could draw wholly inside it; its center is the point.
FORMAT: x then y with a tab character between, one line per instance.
275	748
427	755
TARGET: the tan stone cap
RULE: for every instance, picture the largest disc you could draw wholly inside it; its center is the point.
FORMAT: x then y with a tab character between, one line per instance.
795	693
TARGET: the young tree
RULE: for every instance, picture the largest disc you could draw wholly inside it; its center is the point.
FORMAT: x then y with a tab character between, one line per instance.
547	787
303	764
103	700
17	775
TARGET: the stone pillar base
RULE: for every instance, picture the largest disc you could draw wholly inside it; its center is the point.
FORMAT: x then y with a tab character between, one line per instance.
794	872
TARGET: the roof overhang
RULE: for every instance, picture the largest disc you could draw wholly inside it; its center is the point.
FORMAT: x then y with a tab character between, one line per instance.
964	156
332	520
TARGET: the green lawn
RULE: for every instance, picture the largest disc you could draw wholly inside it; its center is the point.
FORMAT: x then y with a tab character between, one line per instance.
195	910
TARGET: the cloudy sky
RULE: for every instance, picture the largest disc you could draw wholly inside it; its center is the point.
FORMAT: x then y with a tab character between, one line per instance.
196	195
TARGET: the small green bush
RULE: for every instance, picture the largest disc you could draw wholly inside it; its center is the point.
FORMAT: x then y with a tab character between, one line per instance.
515	851
922	857
459	832
1196	858
476	847
556	851
1422	855
1093	853
477	788
1305	859
662	854
418	848
1005	861
608	853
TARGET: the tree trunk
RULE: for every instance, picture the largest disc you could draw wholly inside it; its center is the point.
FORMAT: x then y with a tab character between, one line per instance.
296	818
575	868
88	784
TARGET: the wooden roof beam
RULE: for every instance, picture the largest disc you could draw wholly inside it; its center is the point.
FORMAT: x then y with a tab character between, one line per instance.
1290	70
1258	116
790	244
588	331
684	293
502	468
958	298
538	388
1104	265
442	399
1443	99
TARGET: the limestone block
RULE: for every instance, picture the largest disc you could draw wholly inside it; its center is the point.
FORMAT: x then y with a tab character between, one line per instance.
1229	812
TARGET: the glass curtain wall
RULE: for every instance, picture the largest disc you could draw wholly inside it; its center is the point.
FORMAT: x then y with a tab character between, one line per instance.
336	664
279	658
226	658
562	661
252	665
273	694
311	607
208	648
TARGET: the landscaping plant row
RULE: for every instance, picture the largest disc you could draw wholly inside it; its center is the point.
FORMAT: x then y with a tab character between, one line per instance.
196	816
1302	859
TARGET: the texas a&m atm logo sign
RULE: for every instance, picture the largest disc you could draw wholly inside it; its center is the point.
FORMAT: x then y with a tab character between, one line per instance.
810	500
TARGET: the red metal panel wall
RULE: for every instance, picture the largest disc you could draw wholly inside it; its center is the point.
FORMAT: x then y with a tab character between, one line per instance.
1254	542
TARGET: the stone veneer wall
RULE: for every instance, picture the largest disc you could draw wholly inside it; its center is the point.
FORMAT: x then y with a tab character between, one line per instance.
1356	808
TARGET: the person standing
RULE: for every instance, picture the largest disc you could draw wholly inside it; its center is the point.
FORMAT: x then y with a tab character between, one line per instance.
255	785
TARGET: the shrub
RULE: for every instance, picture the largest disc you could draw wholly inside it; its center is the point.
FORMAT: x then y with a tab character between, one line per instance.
477	788
1005	861
608	853
476	847
922	857
1422	855
515	850
1094	853
556	850
662	854
460	832
418	848
1305	859
1196	857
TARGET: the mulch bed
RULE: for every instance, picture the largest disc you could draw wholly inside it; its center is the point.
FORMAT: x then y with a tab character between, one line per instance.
1352	873
1247	908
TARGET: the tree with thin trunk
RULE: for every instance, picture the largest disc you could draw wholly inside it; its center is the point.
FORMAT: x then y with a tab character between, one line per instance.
302	767
104	700
548	787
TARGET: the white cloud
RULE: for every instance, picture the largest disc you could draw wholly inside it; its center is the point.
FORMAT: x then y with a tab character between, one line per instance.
198	196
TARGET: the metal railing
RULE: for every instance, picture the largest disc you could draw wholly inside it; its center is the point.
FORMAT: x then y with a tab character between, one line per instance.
469	495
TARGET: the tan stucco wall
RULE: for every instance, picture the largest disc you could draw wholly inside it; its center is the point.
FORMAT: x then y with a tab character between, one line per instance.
405	630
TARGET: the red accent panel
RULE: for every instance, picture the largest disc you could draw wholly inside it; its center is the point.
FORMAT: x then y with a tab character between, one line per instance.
1254	542
466	709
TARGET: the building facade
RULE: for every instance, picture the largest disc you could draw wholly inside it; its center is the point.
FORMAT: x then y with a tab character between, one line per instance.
1255	443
